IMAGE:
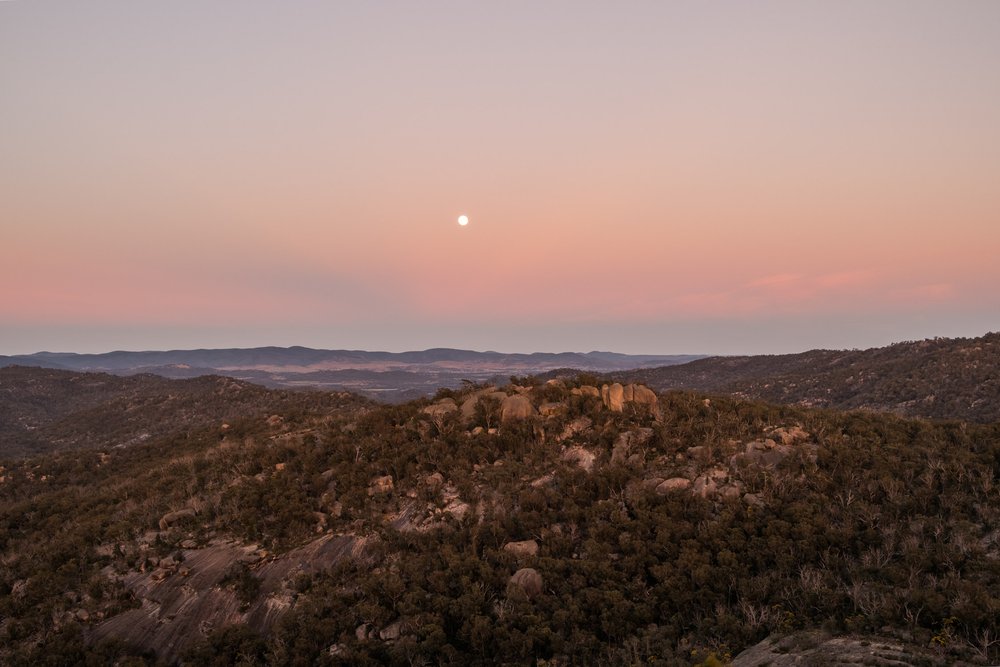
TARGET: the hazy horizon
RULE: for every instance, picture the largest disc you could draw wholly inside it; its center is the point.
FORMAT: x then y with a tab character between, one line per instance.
651	178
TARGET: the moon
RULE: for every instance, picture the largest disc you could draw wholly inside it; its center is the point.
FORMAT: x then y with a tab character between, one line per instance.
463	220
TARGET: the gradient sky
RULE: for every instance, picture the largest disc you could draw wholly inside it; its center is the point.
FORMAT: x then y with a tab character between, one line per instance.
658	177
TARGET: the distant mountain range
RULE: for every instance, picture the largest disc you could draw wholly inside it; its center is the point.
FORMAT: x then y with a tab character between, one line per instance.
390	376
940	378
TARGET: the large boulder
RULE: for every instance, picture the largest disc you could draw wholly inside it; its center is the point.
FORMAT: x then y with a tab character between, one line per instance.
441	408
586	390
526	582
522	549
673	484
469	405
613	396
516	407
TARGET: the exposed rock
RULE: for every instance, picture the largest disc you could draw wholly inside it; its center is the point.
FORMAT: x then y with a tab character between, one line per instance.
171	518
613	396
275	420
363	631
817	648
580	456
434	480
789	435
523	549
525	582
458	509
586	390
651	483
391	632
673	484
516	407
380	485
708	484
544	480
753	499
643	395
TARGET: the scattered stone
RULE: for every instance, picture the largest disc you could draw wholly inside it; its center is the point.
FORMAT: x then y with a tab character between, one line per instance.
363	631
274	420
380	485
434	480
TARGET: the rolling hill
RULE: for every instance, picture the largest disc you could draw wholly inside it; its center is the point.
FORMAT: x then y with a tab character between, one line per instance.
941	378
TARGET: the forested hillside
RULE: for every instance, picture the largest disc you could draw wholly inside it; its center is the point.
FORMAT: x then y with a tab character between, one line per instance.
943	378
529	524
43	410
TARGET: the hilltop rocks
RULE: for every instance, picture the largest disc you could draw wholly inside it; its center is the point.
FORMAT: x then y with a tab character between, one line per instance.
526	582
586	390
516	407
613	397
523	549
171	518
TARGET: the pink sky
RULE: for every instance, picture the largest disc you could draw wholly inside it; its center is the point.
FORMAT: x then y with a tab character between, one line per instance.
704	177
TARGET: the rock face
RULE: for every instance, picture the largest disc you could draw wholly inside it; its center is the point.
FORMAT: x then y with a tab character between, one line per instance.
586	390
523	549
170	518
441	408
516	407
815	648
525	582
380	485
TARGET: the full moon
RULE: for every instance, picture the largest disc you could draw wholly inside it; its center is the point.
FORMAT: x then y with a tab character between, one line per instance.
463	220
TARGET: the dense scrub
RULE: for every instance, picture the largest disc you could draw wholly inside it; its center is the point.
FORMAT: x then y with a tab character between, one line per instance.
943	378
891	526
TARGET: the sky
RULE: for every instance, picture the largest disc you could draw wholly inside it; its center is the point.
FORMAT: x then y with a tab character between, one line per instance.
648	177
